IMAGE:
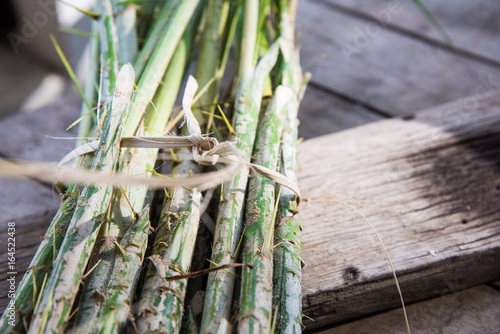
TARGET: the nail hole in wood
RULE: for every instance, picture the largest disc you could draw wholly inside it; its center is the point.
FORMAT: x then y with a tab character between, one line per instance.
351	274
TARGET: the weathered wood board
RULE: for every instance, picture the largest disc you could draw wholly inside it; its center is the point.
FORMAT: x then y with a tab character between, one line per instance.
475	310
381	68
30	204
471	25
321	113
39	135
28	233
429	185
431	188
418	181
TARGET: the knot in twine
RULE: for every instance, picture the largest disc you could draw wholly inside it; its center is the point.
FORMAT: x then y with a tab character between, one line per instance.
206	151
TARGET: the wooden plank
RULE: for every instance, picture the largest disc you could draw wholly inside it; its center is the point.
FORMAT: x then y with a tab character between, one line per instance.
361	151
431	188
37	135
383	69
472	25
29	230
29	204
322	113
30	136
475	310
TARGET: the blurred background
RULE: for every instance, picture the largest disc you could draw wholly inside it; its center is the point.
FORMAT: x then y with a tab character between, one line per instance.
369	59
31	73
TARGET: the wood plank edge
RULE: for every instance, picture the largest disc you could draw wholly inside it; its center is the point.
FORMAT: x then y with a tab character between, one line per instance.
418	284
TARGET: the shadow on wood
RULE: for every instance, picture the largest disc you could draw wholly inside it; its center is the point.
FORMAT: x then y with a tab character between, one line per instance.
430	186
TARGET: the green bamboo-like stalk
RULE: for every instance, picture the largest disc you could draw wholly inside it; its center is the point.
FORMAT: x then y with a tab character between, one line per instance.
220	285
158	62
126	20
192	326
40	266
62	285
287	294
256	286
108	295
249	38
29	289
108	45
88	118
209	58
126	39
107	34
154	35
161	304
124	277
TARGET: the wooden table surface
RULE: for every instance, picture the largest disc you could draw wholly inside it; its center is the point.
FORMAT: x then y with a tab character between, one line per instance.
420	159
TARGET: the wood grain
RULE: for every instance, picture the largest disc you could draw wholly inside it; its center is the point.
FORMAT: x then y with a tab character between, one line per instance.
471	25
475	310
417	181
430	186
29	230
389	72
39	135
28	203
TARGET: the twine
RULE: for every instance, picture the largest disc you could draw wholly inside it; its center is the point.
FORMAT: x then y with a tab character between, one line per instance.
205	150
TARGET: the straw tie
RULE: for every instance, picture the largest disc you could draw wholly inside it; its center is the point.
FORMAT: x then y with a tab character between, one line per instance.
206	151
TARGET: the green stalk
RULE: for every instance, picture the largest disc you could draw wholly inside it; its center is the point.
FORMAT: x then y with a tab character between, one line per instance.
220	285
124	276
62	285
87	116
109	42
40	266
249	37
257	285
109	278
161	304
287	294
192	327
154	35
158	62
125	39
29	289
126	21
209	58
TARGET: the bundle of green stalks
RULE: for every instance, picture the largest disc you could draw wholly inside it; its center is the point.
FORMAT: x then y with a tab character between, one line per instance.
111	261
